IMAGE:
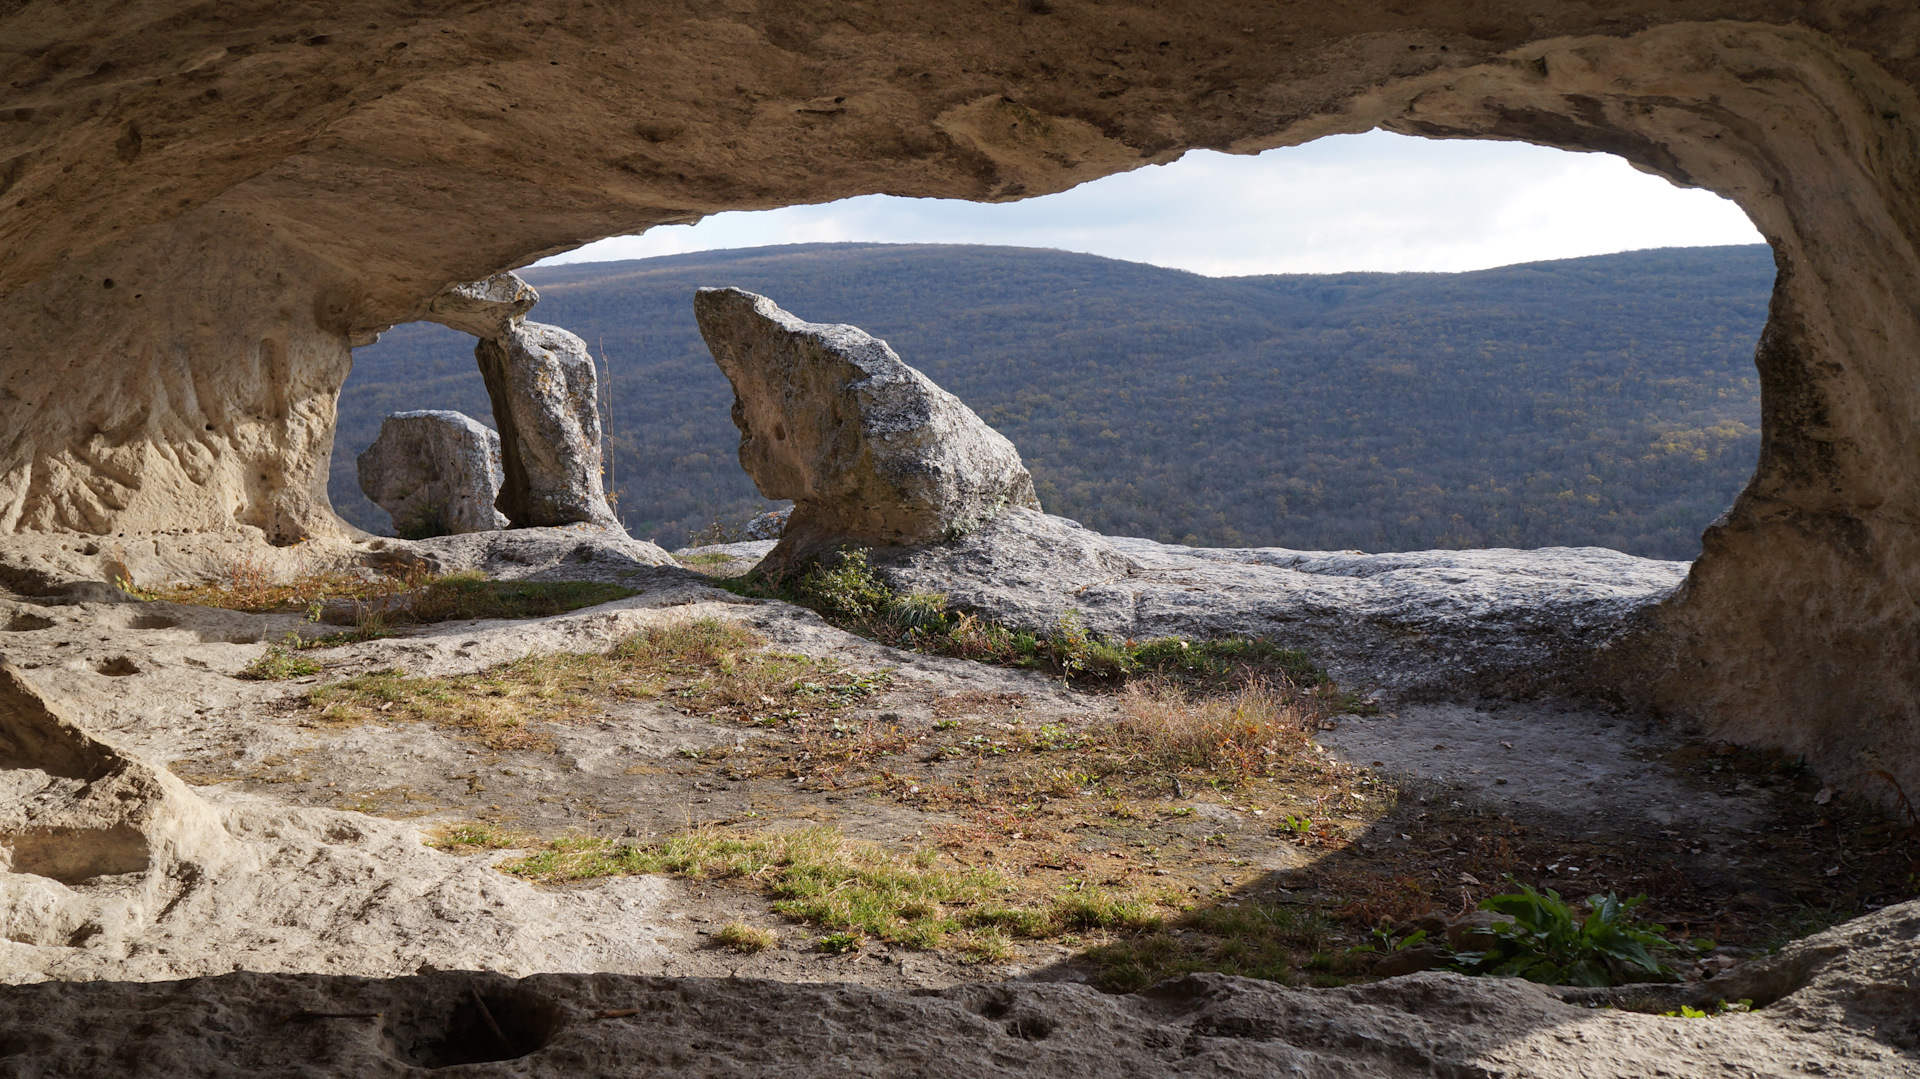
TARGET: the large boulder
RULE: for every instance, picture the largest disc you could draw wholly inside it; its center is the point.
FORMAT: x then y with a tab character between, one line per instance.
485	309
435	472
546	400
870	450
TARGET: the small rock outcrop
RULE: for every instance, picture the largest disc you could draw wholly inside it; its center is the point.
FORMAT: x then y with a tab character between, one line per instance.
485	309
869	449
769	525
545	399
545	393
435	472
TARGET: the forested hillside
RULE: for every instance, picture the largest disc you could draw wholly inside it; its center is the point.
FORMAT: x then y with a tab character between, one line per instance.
1608	401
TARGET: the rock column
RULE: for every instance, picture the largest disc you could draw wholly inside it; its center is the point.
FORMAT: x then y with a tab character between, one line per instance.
870	450
545	395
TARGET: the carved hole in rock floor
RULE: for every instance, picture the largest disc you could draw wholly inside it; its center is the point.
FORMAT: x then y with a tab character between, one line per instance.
73	855
118	667
480	1026
27	623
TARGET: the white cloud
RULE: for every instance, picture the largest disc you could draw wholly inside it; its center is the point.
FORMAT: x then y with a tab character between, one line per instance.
1350	202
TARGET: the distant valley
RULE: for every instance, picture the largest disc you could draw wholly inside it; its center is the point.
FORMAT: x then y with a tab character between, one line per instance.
1607	401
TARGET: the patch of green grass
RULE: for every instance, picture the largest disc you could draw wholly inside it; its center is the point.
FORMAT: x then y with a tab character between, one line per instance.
472	595
279	663
845	590
703	665
470	836
1251	939
819	876
842	943
382	600
710	558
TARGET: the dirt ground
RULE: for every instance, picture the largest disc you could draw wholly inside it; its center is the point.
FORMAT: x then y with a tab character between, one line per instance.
1417	809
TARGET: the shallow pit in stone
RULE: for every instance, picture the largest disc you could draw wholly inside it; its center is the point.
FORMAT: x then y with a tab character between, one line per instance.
478	1027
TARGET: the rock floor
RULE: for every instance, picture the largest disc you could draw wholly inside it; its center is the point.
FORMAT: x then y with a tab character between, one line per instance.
1574	797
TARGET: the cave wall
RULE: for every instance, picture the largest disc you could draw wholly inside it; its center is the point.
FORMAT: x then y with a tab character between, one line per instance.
267	185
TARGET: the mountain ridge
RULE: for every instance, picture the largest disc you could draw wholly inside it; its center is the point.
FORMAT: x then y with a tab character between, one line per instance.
1608	400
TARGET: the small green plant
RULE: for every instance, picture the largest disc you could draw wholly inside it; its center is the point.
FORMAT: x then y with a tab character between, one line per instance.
474	836
1547	942
1385	940
746	939
842	943
280	662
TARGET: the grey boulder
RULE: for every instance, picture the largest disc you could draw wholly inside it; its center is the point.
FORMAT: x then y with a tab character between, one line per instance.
485	309
769	525
871	452
545	398
435	472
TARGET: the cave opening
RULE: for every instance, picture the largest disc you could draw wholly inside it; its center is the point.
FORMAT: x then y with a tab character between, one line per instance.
1374	342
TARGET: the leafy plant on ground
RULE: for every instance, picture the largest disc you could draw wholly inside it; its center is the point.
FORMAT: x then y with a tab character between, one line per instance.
1547	942
703	665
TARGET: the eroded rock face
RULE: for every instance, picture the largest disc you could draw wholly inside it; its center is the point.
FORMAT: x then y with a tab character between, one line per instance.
1201	1025
545	396
436	472
869	449
1420	625
486	309
188	254
73	808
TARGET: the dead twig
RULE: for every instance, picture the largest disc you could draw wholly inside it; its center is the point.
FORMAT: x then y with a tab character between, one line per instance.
487	1014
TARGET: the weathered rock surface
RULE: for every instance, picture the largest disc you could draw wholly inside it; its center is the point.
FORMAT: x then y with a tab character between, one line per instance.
435	472
872	453
189	263
486	309
1421	624
115	869
1847	1009
545	395
768	526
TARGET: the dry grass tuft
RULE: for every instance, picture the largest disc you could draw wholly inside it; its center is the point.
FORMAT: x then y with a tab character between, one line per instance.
1236	737
746	939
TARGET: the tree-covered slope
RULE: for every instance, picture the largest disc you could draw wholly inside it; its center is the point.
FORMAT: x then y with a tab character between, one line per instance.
1608	400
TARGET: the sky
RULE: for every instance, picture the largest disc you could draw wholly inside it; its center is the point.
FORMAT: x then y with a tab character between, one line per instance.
1377	201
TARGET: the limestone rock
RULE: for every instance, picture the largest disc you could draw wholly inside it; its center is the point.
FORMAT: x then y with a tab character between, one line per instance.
870	450
485	309
73	808
112	868
185	278
546	400
1420	624
436	472
768	526
1831	1017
